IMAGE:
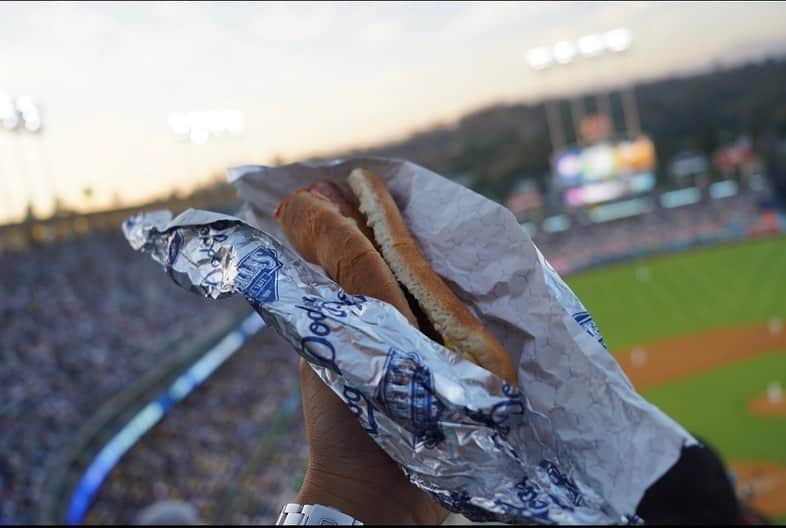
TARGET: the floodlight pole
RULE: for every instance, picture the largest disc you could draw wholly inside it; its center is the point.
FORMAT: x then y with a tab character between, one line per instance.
553	117
630	110
603	97
23	175
43	164
8	188
603	89
590	68
577	113
554	121
604	107
36	184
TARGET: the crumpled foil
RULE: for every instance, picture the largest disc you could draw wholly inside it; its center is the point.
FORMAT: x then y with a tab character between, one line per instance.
572	444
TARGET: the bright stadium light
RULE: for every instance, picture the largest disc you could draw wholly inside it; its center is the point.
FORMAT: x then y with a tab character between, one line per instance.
199	127
539	58
199	136
588	46
8	114
178	123
24	103
564	52
21	111
33	122
31	116
618	39
591	45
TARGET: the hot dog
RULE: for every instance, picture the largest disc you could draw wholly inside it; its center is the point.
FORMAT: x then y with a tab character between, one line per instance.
384	262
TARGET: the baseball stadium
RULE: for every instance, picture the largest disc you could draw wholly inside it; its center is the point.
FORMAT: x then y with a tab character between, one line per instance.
653	182
700	335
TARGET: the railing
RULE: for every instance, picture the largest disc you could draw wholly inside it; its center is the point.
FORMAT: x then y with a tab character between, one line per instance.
80	469
120	423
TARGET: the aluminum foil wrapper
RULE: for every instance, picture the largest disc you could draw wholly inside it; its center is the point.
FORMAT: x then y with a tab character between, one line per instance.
572	444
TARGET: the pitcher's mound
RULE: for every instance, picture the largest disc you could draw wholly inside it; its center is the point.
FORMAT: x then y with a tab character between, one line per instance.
771	404
763	485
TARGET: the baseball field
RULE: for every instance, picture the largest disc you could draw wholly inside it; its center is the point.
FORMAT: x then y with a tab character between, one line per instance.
702	335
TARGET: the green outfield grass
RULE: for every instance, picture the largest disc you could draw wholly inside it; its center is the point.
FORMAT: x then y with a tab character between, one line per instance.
714	405
717	287
663	296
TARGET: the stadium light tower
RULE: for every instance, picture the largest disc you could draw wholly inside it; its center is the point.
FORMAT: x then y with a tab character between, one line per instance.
20	113
200	127
554	123
630	110
572	53
19	116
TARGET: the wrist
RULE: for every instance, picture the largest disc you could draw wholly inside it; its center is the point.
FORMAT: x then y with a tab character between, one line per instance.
363	500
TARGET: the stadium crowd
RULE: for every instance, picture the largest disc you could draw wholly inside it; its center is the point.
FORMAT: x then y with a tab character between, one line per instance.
81	320
277	481
583	245
201	449
86	318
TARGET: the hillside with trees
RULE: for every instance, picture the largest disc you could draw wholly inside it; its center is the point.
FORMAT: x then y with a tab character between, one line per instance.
493	148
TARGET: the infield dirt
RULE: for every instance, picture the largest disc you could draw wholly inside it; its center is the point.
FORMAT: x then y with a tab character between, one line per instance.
653	364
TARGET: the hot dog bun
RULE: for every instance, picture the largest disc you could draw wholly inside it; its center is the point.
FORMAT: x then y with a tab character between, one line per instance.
316	228
461	331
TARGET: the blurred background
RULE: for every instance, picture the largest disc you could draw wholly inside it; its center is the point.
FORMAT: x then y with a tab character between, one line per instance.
641	145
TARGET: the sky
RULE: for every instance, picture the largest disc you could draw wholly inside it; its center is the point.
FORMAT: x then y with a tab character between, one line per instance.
309	78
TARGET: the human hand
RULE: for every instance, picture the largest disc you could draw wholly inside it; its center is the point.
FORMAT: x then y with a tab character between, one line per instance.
348	471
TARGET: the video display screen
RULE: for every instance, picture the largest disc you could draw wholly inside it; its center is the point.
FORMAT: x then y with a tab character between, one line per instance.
605	171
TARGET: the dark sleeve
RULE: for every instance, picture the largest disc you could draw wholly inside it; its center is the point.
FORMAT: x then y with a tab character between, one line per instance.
696	490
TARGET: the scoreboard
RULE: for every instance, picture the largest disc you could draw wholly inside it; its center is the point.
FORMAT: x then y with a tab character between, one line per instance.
604	171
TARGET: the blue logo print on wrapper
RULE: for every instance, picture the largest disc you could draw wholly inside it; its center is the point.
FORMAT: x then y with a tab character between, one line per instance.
535	503
585	321
362	408
531	505
257	274
500	413
460	501
317	348
564	483
407	394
